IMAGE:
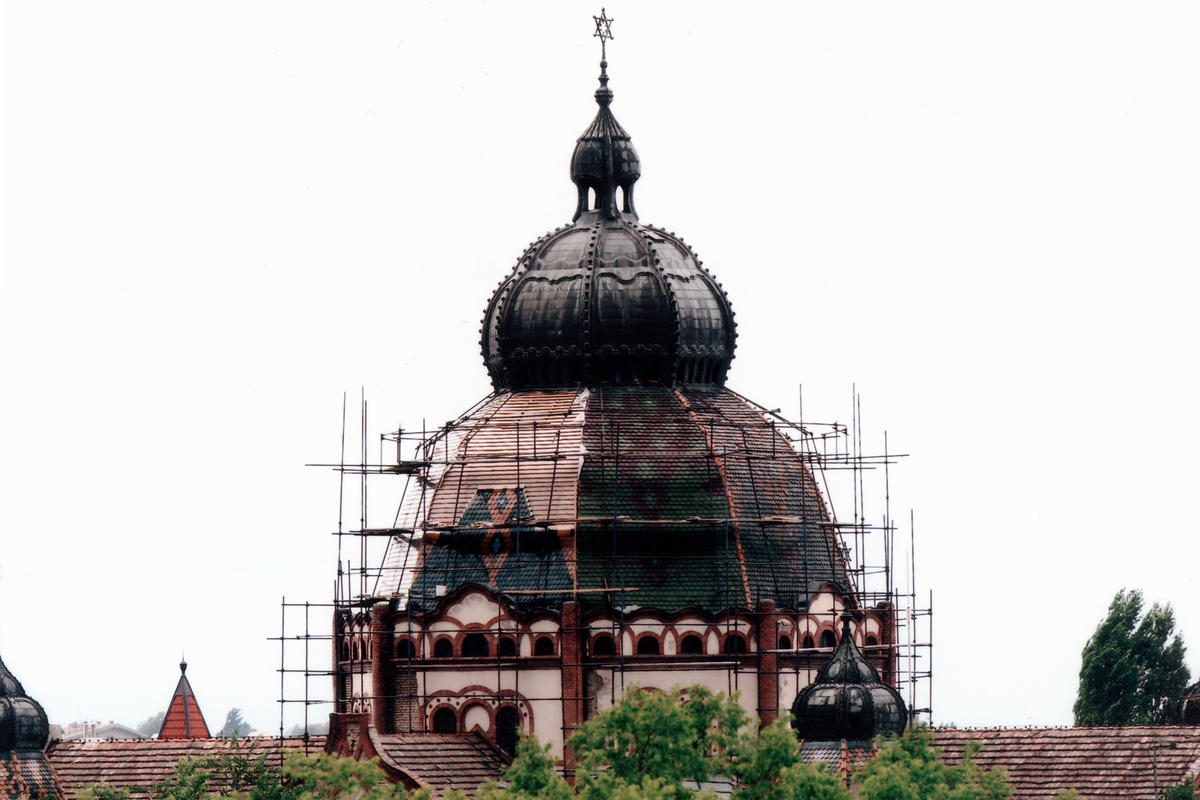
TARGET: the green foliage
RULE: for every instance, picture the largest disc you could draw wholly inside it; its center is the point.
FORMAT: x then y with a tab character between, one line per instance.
769	767
1181	791
151	725
910	768
531	776
1132	671
321	777
661	746
234	724
100	791
651	734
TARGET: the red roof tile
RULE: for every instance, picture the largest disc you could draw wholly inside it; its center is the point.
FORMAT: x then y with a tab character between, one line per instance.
1127	763
183	720
140	763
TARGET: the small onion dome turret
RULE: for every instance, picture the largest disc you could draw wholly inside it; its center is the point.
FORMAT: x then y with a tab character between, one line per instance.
607	300
23	723
848	700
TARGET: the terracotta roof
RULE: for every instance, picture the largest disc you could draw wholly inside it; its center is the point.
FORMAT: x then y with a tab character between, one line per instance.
1128	763
26	775
183	720
141	763
460	761
716	510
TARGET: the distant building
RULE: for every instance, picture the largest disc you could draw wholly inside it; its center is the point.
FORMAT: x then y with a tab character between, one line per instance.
99	730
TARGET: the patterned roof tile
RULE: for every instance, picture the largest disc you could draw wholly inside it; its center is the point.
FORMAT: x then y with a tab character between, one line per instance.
1125	763
138	764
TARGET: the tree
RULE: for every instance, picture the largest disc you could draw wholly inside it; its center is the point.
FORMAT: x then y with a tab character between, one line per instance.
234	724
1132	670
1181	791
910	768
655	745
152	725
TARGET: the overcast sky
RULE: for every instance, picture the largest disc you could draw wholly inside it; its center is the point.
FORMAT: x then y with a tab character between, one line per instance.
220	216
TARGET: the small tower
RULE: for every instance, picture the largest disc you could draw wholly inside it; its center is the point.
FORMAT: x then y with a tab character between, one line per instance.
183	720
848	701
25	772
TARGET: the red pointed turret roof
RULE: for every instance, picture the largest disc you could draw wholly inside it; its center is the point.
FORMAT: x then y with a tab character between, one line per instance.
183	720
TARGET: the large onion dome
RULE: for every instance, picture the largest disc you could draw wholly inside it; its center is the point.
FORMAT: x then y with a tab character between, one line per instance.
848	700
607	300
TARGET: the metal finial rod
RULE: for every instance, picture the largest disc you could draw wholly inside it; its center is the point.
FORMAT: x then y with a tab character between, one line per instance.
604	31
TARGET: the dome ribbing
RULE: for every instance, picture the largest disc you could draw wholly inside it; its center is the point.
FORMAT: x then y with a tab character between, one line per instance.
607	300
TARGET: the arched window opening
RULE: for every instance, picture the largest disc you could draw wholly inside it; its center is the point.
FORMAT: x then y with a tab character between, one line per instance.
405	649
828	639
603	646
508	729
735	645
872	641
808	644
507	647
544	646
355	653
475	645
785	642
445	720
647	646
443	648
691	645
345	650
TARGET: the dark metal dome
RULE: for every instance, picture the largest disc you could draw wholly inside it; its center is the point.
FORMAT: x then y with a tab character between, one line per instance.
23	724
607	300
848	700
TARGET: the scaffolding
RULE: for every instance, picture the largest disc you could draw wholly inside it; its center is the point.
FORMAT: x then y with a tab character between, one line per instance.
867	551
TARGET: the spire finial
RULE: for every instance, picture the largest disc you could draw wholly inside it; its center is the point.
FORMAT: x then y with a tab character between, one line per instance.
604	31
604	95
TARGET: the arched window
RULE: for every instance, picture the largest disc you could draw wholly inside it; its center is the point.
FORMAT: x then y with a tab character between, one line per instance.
691	645
808	644
785	642
872	641
544	646
508	729
445	720
443	648
345	649
507	647
735	645
828	639
405	649
647	645
603	646
475	645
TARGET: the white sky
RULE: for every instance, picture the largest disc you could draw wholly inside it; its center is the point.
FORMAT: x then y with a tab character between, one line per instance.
219	216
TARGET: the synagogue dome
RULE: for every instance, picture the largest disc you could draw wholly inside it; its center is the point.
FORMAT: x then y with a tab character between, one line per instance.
607	300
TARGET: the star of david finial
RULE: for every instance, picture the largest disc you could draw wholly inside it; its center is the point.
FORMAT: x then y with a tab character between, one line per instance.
603	30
